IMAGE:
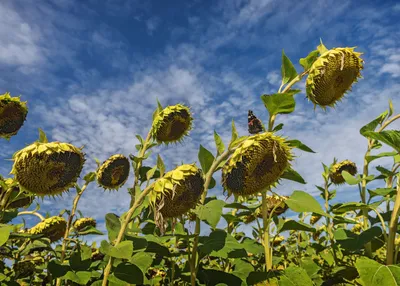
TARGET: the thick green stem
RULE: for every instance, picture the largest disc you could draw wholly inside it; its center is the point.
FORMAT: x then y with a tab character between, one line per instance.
393	226
69	222
266	223
328	222
121	233
193	262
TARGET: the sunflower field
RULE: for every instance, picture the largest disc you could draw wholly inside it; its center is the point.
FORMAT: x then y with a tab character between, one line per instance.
159	240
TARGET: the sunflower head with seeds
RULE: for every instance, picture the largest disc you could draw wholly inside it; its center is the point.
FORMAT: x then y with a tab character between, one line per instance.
332	75
336	170
12	115
52	228
172	124
114	172
257	164
47	169
83	223
177	192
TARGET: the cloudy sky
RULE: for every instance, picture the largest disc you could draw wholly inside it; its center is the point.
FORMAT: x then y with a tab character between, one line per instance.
91	72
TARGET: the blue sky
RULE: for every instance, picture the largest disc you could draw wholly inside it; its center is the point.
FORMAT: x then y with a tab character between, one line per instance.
91	72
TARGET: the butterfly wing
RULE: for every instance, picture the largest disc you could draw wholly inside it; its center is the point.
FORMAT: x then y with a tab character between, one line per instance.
254	124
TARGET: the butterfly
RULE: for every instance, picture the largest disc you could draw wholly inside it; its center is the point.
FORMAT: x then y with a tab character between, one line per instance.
254	124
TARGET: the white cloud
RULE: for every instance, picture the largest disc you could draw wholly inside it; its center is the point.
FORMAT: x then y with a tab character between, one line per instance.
152	24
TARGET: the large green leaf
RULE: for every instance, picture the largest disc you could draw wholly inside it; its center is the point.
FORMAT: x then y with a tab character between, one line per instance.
347	207
211	277
292	175
301	201
298	144
80	277
219	244
371	126
279	103
210	212
295	276
142	260
389	137
113	226
296	225
129	273
307	62
382	192
288	70
370	158
374	273
354	242
242	269
5	231
57	269
206	159
219	143
123	250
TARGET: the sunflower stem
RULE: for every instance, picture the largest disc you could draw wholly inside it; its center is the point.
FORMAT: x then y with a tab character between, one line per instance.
69	222
32	213
121	233
393	226
266	224
328	220
193	262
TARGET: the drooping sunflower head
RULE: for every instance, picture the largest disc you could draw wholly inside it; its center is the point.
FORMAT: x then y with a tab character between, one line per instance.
315	218
177	191
114	172
257	164
332	75
12	115
52	228
172	124
278	240
336	170
276	204
82	223
47	169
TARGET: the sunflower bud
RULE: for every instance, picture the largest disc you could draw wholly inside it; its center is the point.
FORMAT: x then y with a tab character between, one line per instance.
277	202
12	115
332	75
257	164
47	168
336	171
177	191
52	228
114	172
172	124
83	223
278	240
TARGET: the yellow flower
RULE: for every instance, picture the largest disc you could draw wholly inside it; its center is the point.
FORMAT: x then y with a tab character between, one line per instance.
332	75
337	169
82	223
177	191
114	172
12	115
47	168
256	165
52	228
172	124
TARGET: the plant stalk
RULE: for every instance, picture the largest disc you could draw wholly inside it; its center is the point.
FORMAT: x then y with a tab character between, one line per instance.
121	233
393	226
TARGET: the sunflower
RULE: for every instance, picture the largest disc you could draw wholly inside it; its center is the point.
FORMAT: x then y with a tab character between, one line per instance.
82	223
52	228
114	172
172	124
12	115
47	168
336	171
332	75
256	165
